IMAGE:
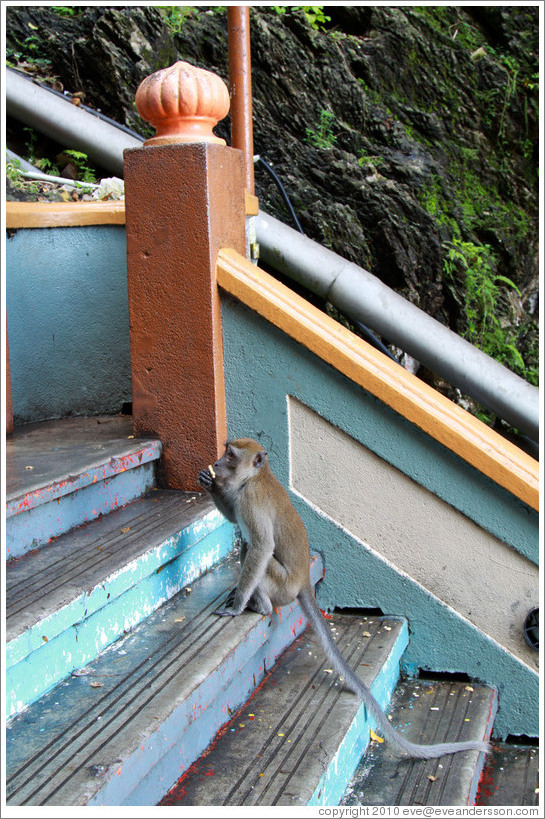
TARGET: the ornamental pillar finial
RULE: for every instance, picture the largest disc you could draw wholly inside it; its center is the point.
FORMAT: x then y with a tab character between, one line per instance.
183	103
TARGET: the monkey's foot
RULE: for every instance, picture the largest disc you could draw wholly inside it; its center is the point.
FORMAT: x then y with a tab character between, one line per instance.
226	612
227	609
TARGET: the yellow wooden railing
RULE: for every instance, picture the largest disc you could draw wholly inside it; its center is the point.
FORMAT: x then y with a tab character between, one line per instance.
436	415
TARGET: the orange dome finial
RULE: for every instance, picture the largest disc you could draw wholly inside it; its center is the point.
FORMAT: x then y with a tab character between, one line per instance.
183	103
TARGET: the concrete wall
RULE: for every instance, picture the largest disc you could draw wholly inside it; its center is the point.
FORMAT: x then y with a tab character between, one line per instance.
402	523
67	314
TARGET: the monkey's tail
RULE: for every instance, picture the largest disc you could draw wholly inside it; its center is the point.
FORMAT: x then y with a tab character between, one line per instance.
314	615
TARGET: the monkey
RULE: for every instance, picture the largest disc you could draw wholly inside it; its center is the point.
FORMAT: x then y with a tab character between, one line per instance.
275	560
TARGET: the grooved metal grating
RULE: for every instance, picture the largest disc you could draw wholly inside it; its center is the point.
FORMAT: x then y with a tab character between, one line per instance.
428	712
280	744
42	581
52	760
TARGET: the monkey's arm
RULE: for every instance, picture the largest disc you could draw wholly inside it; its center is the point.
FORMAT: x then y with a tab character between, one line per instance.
208	483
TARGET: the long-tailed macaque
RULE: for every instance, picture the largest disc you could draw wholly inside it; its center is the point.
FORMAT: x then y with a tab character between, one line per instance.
275	565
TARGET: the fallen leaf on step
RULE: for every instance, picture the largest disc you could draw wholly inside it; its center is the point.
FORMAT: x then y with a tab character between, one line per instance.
179	619
126	529
432	778
376	737
97	685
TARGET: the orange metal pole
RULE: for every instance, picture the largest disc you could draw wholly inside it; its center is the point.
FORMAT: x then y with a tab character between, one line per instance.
240	82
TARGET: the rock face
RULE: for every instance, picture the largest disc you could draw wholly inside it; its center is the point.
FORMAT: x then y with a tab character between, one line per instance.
406	137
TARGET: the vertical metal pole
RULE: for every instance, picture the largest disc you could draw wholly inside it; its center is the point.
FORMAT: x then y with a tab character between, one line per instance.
240	81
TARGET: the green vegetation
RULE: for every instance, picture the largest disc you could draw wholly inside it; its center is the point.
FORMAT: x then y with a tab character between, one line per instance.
16	179
486	302
31	50
314	14
324	137
365	160
176	16
67	11
81	160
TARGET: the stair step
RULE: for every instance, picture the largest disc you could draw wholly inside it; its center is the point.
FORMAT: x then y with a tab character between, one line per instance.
299	738
428	712
60	474
510	776
122	732
70	599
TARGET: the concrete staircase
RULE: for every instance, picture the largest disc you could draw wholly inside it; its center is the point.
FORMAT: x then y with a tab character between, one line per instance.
119	678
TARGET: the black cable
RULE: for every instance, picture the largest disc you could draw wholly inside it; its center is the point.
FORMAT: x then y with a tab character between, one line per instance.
365	331
283	192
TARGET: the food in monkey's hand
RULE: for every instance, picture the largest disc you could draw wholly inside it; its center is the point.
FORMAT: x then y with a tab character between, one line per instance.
211	470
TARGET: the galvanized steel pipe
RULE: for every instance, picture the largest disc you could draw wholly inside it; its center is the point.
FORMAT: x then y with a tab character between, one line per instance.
58	119
364	297
352	289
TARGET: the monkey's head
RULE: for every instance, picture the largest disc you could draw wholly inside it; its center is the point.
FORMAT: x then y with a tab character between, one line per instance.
243	459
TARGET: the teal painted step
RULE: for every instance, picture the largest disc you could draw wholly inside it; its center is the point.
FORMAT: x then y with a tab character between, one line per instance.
61	474
122	731
66	602
298	740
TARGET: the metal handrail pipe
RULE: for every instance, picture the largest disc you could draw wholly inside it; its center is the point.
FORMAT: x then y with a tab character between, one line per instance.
58	119
349	287
361	295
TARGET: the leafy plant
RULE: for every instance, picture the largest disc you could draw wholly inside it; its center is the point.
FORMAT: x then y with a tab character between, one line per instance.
175	16
81	159
66	11
365	159
13	172
315	15
16	179
486	304
324	137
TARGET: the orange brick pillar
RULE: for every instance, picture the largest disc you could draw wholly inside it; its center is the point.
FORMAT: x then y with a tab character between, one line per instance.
184	193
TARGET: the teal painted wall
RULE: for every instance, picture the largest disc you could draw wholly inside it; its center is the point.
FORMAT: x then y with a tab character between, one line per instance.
68	324
262	367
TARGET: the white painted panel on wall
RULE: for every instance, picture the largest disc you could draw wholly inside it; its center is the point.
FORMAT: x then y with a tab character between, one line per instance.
479	576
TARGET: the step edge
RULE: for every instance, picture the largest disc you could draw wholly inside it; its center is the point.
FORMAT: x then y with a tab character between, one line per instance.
238	641
473	788
101	469
357	735
81	606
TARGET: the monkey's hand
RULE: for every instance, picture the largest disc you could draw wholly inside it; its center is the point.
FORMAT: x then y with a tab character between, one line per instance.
228	609
205	479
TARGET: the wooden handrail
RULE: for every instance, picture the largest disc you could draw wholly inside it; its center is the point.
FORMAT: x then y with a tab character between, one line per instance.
79	214
64	214
462	433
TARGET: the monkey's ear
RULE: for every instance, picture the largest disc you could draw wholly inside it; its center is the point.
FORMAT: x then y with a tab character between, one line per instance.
260	459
